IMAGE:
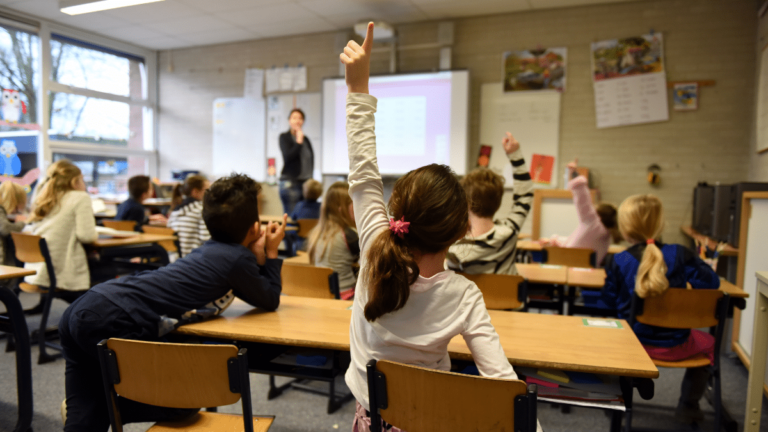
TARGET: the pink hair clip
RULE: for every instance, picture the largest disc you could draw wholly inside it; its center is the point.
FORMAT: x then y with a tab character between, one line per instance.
399	227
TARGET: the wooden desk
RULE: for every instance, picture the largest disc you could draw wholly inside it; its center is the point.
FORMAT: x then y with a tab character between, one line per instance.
544	274
157	202
532	340
757	366
131	241
10	272
302	259
711	243
535	246
273	218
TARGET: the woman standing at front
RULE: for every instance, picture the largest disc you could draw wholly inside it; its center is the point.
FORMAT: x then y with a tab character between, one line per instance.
298	161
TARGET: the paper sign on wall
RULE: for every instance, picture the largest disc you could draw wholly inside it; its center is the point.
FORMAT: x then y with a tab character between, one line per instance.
630	81
541	168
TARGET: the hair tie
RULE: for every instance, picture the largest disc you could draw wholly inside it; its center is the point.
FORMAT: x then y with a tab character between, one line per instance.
650	241
399	227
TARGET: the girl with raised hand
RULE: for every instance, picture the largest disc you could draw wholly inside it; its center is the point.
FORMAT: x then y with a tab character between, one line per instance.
649	267
407	307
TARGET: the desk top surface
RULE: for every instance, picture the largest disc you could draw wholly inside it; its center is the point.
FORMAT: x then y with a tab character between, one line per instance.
133	240
710	242
10	272
534	245
532	340
539	273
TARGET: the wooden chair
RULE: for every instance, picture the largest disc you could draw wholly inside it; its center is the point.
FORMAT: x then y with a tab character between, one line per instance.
305	226
119	225
682	308
419	399
168	245
500	291
310	281
33	249
569	257
180	376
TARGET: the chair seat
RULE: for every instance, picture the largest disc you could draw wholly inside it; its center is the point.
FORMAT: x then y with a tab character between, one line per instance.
32	289
696	361
209	422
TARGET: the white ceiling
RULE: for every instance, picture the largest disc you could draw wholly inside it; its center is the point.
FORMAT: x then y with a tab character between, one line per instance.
185	23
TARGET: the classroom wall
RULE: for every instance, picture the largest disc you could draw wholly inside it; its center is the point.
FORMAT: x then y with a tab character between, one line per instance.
704	39
758	167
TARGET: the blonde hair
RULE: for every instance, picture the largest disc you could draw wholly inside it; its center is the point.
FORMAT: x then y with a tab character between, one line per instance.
60	178
12	196
641	218
334	217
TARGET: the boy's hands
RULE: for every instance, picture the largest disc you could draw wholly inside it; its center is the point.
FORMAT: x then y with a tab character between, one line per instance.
510	144
274	235
357	62
258	248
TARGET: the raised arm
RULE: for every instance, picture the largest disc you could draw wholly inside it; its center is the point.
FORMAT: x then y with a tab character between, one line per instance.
582	199
365	185
523	186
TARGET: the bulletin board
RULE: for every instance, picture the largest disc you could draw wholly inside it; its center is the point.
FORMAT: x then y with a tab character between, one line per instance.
238	137
532	117
762	103
278	109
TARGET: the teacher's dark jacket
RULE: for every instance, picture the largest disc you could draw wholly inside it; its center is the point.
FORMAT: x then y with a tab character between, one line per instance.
293	168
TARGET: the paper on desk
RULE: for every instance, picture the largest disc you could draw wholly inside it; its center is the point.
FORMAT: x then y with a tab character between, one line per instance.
601	323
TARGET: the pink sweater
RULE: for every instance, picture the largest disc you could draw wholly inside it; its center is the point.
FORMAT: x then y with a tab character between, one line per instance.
591	233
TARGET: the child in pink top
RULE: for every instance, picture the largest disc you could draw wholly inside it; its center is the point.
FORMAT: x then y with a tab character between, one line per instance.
597	224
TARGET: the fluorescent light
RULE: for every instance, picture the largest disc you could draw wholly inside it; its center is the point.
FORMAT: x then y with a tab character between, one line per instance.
99	5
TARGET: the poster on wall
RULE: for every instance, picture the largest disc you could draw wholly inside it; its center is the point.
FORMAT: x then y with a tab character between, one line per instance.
685	96
18	158
534	69
630	81
762	103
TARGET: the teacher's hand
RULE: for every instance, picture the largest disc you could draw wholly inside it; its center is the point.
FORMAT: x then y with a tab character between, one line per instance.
299	136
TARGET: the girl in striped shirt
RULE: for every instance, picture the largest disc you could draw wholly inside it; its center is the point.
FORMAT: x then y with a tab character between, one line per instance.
187	216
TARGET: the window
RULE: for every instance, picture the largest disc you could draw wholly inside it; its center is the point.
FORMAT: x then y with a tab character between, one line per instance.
106	175
19	77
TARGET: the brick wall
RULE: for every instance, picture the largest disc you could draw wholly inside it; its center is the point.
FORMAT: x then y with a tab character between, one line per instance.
758	167
704	39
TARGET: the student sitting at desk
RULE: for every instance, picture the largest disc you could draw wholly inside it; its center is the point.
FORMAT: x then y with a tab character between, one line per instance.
650	267
62	214
186	219
597	224
307	208
407	307
13	201
132	209
333	243
240	260
489	247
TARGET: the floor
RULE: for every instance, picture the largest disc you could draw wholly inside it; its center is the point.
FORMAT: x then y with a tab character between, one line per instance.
302	411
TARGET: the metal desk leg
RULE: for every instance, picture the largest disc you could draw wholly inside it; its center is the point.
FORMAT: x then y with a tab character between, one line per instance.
15	323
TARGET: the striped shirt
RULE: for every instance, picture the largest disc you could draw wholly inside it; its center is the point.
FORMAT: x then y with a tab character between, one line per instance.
187	221
494	251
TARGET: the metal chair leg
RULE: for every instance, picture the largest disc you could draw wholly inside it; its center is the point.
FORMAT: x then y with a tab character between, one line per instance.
44	357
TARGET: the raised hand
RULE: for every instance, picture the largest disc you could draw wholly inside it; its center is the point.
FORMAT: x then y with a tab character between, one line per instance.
274	235
510	144
299	136
357	63
572	165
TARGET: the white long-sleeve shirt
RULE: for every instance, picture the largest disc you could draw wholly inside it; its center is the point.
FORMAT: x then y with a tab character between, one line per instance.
66	227
438	308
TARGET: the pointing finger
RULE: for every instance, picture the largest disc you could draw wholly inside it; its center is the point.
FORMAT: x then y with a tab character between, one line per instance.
368	42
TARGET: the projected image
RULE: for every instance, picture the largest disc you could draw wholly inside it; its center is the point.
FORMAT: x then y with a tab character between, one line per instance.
418	122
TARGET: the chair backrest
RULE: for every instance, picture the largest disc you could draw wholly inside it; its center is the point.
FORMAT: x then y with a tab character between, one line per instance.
168	245
414	398
305	226
500	291
34	249
679	308
175	375
119	225
569	257
310	281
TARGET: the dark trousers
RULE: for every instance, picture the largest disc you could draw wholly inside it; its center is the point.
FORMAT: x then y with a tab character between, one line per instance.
290	194
89	320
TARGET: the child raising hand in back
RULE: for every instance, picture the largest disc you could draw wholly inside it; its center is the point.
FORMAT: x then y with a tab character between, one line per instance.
407	307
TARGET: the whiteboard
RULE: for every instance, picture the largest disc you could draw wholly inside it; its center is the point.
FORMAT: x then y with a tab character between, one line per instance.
762	103
756	260
278	109
558	217
532	117
238	137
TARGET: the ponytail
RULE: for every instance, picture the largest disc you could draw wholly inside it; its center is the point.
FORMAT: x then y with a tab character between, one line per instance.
176	197
651	275
390	272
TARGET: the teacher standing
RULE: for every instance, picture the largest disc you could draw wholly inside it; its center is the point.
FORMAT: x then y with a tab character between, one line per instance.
298	161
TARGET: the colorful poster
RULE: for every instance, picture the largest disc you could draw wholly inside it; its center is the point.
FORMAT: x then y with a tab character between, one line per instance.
541	168
484	159
535	69
685	96
629	80
617	58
